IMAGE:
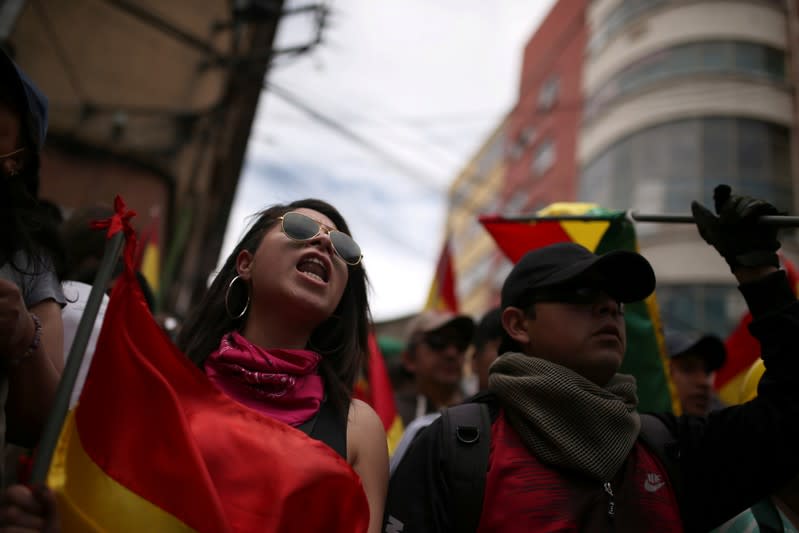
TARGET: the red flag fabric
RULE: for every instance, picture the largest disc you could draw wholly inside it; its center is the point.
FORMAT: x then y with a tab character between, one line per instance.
377	391
443	292
153	446
743	350
516	238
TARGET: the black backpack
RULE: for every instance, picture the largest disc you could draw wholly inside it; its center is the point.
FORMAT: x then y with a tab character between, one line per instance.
466	435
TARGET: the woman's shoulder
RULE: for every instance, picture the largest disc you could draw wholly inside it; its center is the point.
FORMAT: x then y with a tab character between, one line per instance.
362	414
365	432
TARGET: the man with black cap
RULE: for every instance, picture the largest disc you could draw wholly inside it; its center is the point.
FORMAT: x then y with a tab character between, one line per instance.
568	449
693	361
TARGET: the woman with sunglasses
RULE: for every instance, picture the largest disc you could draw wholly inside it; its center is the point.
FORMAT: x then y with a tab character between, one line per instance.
283	330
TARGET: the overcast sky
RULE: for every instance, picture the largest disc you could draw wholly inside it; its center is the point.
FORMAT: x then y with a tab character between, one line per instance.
419	84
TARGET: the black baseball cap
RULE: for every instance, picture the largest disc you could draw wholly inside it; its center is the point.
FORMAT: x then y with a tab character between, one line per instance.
626	276
708	346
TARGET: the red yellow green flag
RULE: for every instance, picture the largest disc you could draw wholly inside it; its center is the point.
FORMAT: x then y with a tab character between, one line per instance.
443	294
152	445
645	357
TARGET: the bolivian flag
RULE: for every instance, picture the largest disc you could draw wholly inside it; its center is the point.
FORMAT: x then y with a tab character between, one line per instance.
153	446
646	355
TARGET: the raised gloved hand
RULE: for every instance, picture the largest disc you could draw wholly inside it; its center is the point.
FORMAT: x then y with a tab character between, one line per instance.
740	240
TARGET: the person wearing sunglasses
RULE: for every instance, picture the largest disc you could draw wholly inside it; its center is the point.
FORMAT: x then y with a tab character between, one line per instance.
283	330
557	442
435	351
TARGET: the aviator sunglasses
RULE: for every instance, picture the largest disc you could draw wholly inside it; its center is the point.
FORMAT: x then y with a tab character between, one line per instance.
439	341
299	227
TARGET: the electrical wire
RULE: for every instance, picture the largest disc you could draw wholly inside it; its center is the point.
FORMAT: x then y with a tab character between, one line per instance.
419	177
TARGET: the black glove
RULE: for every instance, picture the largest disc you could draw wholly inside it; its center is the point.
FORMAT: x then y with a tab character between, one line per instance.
740	240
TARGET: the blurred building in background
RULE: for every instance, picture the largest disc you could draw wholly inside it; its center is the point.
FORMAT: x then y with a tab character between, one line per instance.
648	105
153	101
544	124
679	97
527	162
479	267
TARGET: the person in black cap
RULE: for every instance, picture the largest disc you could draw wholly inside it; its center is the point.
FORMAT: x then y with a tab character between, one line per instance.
560	445
693	361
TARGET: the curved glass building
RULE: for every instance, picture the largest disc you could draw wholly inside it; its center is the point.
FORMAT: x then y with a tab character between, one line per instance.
679	96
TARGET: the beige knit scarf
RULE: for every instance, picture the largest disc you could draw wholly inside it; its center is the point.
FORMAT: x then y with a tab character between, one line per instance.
564	419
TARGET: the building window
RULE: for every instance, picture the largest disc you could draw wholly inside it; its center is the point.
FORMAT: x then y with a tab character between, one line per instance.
516	204
690	157
548	94
527	135
664	168
687	60
629	11
543	158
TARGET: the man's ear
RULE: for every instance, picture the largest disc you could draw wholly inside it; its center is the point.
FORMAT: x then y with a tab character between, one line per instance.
513	320
244	264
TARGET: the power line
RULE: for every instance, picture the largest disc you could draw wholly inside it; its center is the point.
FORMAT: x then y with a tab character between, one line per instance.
399	132
420	177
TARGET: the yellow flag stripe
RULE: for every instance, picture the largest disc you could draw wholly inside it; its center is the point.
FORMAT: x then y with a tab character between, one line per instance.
394	434
90	500
587	234
151	266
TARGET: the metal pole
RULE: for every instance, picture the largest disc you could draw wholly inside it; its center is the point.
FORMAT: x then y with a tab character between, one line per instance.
55	420
776	220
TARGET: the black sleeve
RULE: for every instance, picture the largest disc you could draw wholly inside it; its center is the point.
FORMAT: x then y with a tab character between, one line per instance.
417	492
741	454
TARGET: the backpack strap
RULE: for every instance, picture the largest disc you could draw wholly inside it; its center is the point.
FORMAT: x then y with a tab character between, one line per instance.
657	436
767	517
466	445
328	426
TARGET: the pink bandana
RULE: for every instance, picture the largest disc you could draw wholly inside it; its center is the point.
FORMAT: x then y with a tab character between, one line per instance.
282	384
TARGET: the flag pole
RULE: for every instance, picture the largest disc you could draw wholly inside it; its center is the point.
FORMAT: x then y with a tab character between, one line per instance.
55	420
771	220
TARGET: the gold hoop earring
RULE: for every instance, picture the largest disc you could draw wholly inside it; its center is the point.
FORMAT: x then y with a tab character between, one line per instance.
227	299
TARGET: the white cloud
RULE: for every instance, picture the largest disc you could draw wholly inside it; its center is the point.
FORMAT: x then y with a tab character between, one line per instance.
424	82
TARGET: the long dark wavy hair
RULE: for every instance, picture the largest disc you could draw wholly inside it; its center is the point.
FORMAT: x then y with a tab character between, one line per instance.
341	340
26	226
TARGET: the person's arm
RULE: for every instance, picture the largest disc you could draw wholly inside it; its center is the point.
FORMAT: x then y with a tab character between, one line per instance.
740	454
367	452
33	380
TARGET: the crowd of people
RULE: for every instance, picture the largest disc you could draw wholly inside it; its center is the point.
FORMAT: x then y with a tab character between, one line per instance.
551	441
